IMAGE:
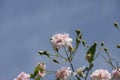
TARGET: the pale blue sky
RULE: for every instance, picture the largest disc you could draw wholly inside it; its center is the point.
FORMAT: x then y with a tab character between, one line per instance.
27	25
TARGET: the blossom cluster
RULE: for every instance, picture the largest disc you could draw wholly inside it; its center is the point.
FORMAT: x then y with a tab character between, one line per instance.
64	73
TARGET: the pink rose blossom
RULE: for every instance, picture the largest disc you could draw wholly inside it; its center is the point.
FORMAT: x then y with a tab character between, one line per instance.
60	40
41	74
116	73
22	76
100	74
63	73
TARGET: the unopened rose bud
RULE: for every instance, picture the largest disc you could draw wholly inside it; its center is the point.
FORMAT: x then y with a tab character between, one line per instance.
102	44
78	31
95	42
116	25
70	48
83	42
118	46
88	56
106	49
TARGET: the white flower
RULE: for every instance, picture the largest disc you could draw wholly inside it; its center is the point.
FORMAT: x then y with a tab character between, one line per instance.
60	40
22	76
100	74
63	73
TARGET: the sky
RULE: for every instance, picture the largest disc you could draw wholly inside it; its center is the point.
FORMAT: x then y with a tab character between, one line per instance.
27	25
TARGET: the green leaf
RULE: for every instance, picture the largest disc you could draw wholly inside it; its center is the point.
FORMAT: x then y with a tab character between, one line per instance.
32	76
38	78
35	72
44	53
91	53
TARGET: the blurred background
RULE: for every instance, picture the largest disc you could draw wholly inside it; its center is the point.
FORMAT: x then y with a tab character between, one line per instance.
27	25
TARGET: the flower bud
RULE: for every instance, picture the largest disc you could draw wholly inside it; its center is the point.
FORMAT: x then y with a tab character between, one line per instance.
116	25
70	48
78	31
105	49
102	44
118	46
95	42
83	42
88	56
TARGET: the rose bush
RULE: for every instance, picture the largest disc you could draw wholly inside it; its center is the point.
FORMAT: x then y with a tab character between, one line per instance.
70	73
